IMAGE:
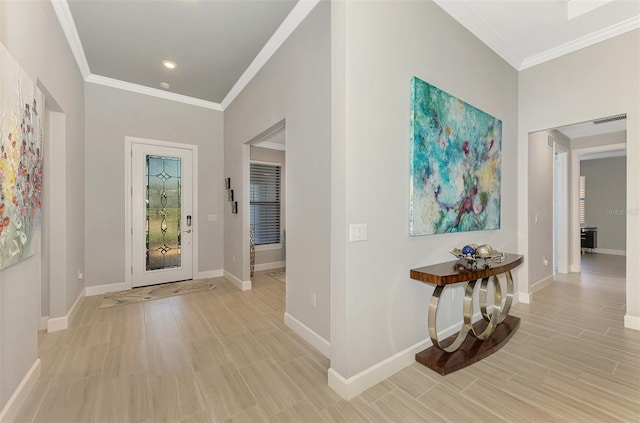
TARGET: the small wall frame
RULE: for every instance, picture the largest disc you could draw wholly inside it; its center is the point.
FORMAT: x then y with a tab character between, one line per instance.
234	207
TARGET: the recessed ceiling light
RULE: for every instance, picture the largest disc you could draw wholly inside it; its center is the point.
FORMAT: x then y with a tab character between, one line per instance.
169	64
165	85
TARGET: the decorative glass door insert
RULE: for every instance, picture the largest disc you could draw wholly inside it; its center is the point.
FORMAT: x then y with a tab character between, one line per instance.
163	212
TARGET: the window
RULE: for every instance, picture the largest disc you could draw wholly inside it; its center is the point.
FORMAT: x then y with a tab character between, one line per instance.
264	202
583	181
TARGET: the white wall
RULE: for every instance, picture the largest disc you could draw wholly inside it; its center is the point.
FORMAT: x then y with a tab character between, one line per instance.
293	85
597	81
377	47
606	201
274	156
112	114
32	34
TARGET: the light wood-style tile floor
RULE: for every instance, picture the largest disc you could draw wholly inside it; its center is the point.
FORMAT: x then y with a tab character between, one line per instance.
225	356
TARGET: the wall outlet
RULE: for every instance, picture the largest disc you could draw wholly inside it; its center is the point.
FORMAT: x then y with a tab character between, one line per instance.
545	260
80	275
233	258
313	299
358	232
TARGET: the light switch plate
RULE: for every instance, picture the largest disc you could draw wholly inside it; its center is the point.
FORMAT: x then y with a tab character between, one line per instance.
358	232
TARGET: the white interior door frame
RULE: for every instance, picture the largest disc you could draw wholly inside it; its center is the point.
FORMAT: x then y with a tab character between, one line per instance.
576	155
128	226
561	208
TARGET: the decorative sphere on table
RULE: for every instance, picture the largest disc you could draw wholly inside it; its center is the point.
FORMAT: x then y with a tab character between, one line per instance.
484	250
468	250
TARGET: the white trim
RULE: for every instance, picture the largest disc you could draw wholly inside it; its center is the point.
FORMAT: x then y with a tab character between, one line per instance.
537	286
269	266
465	16
306	333
209	274
291	22
20	395
128	237
271	145
104	289
269	247
608	251
153	92
242	285
582	42
61	7
631	322
523	297
360	382
61	323
43	323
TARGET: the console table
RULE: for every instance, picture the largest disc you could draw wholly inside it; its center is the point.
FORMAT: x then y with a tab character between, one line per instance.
474	341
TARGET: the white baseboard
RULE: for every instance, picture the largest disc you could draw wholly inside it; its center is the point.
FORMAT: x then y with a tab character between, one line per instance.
269	266
242	285
631	322
607	251
20	395
103	289
61	323
317	341
523	297
537	286
360	382
43	323
209	274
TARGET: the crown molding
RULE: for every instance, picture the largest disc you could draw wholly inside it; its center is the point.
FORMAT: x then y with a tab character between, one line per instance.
582	42
291	22
271	145
61	7
464	16
154	92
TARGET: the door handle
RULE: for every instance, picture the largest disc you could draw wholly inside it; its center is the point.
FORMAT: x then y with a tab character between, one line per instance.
187	231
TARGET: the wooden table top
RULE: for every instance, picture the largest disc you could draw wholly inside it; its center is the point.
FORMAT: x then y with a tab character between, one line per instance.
458	271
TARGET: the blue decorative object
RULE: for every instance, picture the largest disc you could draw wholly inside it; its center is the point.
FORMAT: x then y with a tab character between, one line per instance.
468	250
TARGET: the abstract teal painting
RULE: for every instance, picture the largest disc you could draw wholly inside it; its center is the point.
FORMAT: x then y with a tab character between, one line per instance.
455	164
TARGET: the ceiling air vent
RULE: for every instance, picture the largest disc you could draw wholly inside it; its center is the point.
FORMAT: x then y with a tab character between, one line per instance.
610	119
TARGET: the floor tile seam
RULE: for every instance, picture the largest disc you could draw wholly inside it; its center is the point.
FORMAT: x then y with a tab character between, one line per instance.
579	399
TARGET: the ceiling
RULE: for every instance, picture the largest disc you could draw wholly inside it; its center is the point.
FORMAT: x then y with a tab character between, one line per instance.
219	45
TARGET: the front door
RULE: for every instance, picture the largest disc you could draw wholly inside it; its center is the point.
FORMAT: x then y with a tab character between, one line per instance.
161	214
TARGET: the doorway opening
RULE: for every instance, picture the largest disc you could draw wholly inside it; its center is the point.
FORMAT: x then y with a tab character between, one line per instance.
266	197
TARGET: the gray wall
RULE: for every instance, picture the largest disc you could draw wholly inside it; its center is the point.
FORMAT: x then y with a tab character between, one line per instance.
274	156
377	47
541	205
606	200
295	85
541	200
112	114
32	34
593	82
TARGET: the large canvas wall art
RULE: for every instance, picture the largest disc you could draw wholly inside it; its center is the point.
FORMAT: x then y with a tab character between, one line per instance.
455	164
21	117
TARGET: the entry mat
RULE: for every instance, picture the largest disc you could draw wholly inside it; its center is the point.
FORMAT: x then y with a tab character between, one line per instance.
148	293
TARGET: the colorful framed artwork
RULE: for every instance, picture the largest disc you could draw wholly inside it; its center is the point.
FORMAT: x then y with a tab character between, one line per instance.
230	195
21	131
455	164
227	183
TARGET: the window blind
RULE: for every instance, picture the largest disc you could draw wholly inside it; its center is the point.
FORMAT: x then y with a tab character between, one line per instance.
264	202
583	182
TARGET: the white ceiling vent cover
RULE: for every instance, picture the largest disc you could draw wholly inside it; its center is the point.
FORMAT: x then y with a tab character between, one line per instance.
550	141
610	119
